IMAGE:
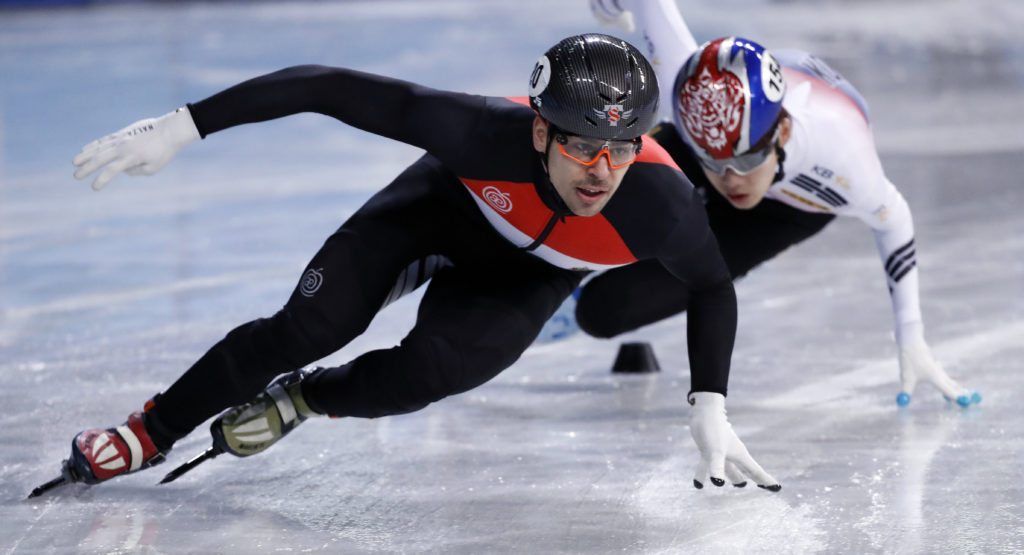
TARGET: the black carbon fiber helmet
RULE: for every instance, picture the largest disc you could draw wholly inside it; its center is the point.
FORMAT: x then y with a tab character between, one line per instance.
595	85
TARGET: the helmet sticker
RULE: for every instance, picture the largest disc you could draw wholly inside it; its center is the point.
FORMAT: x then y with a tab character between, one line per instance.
711	105
772	82
540	77
613	113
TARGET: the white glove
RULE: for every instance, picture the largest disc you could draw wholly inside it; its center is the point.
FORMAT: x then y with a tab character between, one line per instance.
609	13
142	148
722	454
917	364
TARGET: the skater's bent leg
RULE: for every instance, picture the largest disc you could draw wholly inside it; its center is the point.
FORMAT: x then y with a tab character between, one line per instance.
341	290
466	333
624	299
237	368
403	379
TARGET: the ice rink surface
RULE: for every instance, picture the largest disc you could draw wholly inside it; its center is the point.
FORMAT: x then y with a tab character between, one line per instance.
105	298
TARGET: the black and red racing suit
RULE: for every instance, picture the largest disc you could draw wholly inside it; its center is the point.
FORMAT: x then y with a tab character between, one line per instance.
481	198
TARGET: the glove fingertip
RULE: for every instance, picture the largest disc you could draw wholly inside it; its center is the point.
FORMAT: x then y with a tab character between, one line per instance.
975	397
697	484
740	485
773	487
717	481
903	399
628	25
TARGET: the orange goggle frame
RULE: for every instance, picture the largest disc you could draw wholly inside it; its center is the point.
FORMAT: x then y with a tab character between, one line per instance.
588	152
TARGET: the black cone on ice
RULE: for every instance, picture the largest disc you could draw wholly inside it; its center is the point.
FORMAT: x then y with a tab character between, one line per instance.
635	358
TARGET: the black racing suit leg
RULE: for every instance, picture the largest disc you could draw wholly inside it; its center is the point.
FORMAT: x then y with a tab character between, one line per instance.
473	322
341	290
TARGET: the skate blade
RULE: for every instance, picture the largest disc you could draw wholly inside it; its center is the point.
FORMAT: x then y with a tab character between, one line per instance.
190	464
64	478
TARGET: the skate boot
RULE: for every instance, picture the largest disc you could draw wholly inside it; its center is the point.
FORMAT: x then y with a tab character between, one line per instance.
252	427
99	455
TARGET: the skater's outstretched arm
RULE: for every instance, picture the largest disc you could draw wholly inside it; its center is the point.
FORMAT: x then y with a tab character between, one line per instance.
667	40
384	106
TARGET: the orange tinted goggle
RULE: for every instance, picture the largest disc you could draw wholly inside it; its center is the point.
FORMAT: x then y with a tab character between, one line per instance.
587	151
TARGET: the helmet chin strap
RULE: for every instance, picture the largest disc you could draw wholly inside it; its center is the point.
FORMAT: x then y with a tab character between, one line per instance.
779	173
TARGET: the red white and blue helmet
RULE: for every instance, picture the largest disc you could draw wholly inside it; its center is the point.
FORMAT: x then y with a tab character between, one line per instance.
728	96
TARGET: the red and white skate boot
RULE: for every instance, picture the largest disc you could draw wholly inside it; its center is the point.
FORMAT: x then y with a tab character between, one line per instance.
99	455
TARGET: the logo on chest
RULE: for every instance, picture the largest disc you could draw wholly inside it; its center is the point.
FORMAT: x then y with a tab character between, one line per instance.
502	202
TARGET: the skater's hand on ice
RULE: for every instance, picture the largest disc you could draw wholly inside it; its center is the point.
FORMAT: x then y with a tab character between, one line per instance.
722	454
142	148
609	12
917	364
